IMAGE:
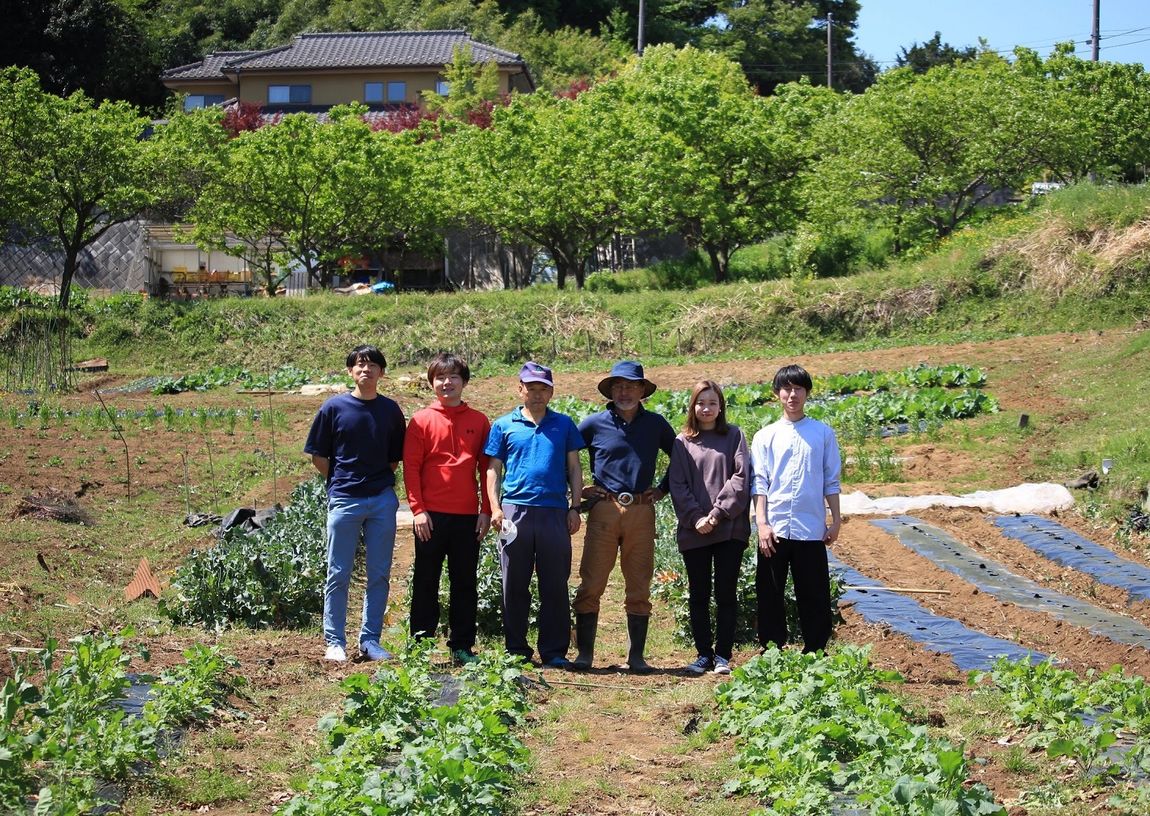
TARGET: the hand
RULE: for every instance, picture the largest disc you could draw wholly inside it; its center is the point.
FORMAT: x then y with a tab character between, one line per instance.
593	493
832	532
651	496
573	521
705	525
482	525
423	526
767	540
497	520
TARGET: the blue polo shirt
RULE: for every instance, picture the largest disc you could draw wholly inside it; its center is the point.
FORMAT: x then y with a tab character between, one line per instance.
624	454
360	438
534	456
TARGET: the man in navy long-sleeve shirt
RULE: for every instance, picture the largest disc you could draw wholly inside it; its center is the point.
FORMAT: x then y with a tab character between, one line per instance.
623	443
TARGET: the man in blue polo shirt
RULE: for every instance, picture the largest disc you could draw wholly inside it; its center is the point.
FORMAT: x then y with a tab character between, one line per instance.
624	443
534	456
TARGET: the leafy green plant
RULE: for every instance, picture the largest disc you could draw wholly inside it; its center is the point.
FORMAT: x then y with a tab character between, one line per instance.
1077	718
63	732
272	576
397	749
816	729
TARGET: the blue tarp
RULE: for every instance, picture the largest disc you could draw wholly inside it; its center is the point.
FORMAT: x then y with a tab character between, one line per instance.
970	650
1051	540
993	578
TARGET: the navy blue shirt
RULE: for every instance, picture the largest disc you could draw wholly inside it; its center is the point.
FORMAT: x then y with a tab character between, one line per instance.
360	439
624	454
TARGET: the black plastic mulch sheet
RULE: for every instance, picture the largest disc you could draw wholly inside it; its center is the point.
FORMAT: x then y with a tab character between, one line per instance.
993	578
970	650
1051	540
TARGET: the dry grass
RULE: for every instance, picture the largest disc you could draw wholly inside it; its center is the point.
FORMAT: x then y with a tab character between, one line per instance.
52	505
1056	260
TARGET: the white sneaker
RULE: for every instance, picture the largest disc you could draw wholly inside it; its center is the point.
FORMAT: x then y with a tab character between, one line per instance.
722	665
374	651
335	652
699	665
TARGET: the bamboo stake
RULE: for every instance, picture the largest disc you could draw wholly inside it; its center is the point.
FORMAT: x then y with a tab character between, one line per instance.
908	590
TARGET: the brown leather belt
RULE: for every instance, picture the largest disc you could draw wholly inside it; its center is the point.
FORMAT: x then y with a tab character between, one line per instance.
626	499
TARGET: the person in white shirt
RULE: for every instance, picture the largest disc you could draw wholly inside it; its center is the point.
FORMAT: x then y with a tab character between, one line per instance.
796	465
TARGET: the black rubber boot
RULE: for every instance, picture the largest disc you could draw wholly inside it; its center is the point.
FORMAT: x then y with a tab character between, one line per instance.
637	633
586	624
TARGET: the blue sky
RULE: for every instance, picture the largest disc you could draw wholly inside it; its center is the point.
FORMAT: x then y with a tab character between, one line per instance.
885	26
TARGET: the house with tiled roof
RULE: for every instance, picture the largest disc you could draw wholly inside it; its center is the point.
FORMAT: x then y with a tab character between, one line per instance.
382	69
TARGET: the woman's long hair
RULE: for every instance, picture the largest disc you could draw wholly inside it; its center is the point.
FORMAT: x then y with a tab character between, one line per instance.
691	429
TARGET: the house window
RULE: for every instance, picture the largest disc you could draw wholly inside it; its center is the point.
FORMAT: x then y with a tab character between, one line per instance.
397	92
442	87
193	101
372	92
289	94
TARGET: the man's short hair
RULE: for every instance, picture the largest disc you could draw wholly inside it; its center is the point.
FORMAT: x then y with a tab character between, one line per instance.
369	353
792	375
447	363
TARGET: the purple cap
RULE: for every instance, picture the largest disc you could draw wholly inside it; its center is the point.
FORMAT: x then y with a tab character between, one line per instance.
533	372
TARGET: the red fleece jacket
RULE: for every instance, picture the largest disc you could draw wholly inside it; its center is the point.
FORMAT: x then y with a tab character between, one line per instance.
443	460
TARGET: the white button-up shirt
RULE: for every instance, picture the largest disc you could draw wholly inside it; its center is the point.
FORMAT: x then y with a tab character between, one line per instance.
796	465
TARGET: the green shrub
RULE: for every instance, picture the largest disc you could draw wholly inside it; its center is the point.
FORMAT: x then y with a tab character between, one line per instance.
274	576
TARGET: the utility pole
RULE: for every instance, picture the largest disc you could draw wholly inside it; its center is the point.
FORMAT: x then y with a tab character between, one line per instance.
1094	32
830	26
642	20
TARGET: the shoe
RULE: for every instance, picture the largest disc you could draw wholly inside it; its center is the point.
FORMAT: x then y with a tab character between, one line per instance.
461	657
557	662
373	651
335	653
585	625
722	665
637	637
701	664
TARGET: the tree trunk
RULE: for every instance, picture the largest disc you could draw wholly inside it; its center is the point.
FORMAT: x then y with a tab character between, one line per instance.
720	261
71	254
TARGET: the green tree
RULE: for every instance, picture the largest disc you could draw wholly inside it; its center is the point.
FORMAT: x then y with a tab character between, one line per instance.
779	41
563	174
921	152
920	58
311	193
470	86
101	47
71	168
737	160
1110	106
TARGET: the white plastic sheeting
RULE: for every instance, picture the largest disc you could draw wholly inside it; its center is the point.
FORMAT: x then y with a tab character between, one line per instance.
1041	498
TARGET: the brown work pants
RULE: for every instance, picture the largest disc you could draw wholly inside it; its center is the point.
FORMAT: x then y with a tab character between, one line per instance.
628	532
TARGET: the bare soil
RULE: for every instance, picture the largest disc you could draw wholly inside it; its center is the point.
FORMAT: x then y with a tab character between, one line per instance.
605	742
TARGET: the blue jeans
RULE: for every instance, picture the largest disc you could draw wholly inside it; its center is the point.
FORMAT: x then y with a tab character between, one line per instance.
347	517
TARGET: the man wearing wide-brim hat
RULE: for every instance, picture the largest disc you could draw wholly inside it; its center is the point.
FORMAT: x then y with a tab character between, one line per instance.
623	444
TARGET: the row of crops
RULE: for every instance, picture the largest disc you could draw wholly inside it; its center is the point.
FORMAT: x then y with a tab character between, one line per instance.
70	740
79	731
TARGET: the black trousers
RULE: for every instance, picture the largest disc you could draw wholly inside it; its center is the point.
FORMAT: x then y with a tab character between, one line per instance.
724	558
452	537
807	563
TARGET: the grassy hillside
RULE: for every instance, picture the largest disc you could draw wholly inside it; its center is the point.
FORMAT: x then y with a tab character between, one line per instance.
1077	260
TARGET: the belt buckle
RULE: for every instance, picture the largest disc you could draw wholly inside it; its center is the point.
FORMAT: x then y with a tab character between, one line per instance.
625	499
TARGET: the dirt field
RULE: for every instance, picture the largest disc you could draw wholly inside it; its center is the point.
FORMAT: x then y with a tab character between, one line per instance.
605	742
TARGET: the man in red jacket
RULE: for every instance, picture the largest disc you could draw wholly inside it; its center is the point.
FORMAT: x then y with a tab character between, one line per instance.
443	465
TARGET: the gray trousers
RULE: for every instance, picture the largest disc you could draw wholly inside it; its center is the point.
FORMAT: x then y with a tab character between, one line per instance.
541	546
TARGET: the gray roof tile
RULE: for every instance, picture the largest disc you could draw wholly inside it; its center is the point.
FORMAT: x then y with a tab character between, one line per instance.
371	49
210	67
